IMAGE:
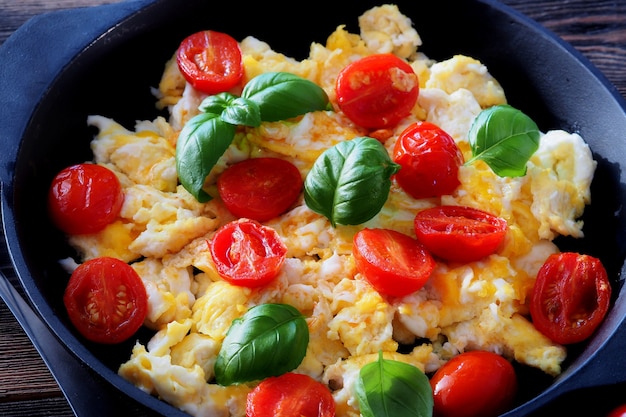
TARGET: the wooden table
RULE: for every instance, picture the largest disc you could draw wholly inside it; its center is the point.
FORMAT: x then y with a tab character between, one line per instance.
597	28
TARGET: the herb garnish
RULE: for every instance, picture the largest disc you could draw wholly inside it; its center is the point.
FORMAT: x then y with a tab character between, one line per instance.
388	388
504	138
268	97
269	340
350	182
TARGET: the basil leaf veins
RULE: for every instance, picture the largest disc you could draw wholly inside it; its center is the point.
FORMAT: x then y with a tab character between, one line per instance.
391	388
216	103
349	183
269	340
282	95
504	138
268	97
232	109
201	142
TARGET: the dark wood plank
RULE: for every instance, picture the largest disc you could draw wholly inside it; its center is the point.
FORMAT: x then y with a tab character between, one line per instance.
46	407
31	378
596	28
14	13
25	382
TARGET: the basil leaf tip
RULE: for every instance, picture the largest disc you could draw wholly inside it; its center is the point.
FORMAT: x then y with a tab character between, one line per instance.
201	142
217	103
388	388
504	138
232	109
268	97
269	340
349	183
242	111
283	95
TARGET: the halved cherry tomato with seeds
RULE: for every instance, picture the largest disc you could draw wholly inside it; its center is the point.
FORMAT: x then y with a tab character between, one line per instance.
85	198
474	384
260	188
393	263
570	298
377	91
210	61
430	161
459	233
290	395
106	300
247	253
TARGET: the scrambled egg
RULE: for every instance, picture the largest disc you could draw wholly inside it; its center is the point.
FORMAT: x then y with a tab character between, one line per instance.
480	305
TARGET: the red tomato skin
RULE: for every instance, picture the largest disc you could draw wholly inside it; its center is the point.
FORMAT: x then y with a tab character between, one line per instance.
210	61
619	411
247	253
84	198
377	91
459	233
570	298
95	286
393	263
290	395
429	159
260	188
474	384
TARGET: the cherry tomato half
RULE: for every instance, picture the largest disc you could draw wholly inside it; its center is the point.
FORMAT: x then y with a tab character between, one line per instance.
377	91
429	160
290	395
474	384
260	188
458	233
246	253
570	298
393	263
619	411
210	61
84	198
106	300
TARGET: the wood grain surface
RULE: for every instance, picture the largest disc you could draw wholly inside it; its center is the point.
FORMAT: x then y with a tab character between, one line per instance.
596	28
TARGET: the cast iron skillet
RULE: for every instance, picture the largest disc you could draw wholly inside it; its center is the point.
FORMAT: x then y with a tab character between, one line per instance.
60	68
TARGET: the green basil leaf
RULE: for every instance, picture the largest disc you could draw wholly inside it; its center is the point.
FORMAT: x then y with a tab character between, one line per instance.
350	182
505	138
267	97
391	388
242	111
201	143
232	109
269	340
217	103
282	95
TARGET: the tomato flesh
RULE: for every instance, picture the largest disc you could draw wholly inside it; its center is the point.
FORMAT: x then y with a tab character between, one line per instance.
290	395
106	300
377	91
474	384
393	263
570	298
260	188
459	233
246	253
429	159
84	198
619	411
210	61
